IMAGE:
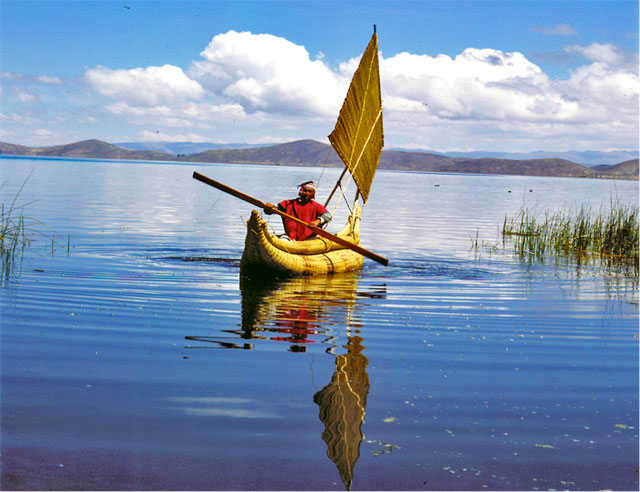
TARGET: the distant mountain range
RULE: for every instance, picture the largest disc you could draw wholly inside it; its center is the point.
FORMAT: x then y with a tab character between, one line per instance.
586	158
313	153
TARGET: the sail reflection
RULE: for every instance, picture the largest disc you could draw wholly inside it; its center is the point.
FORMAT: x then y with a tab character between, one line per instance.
342	405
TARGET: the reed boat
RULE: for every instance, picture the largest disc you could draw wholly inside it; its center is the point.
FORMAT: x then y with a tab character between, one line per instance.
265	252
358	140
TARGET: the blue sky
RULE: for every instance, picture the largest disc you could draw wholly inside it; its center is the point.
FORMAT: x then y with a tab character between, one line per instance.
470	75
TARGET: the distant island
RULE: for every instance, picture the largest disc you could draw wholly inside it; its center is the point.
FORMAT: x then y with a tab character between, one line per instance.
313	153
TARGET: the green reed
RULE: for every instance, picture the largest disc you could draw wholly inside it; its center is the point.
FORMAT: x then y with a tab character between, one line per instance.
611	235
16	232
13	238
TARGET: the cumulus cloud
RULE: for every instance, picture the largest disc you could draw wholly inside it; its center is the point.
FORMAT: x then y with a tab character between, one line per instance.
144	86
267	73
478	84
596	52
264	87
604	94
495	96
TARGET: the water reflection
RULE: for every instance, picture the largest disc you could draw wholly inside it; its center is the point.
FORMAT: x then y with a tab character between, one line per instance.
307	310
342	405
299	312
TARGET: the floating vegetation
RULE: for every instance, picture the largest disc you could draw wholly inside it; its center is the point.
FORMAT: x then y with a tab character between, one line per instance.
16	231
610	236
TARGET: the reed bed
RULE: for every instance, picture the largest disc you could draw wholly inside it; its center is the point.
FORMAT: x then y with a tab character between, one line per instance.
13	238
610	235
16	231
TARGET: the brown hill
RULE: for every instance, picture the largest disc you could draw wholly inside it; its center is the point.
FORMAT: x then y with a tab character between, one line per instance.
312	153
530	167
415	161
92	149
625	170
298	153
13	149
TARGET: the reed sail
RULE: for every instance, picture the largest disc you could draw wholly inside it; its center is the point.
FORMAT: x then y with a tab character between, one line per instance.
358	137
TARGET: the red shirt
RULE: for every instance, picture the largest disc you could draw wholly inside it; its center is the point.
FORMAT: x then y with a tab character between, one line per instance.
308	212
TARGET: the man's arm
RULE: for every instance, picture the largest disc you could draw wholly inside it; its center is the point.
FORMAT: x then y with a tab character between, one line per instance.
325	218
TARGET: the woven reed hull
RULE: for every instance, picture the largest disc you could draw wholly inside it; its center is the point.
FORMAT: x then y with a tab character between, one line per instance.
266	254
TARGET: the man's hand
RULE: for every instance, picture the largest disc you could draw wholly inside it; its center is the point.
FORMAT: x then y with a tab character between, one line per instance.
315	223
269	208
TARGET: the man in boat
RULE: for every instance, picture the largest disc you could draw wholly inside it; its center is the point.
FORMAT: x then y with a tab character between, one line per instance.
304	208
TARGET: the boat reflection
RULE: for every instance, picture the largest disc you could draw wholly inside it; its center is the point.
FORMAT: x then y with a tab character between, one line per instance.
307	310
342	405
298	311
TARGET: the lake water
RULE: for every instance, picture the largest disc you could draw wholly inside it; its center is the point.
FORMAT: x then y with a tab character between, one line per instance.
133	357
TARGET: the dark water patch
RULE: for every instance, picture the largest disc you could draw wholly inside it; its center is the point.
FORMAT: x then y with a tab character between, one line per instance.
79	275
234	262
172	256
431	267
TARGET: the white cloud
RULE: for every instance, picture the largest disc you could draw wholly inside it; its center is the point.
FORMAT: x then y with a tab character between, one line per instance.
157	136
186	114
492	98
145	86
45	79
263	88
24	96
477	84
268	73
604	94
10	75
20	119
596	52
43	133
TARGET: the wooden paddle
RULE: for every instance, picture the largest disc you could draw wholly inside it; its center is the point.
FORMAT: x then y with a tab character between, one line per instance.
317	230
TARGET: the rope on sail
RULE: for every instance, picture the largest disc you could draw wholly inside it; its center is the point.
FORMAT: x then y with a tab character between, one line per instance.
343	191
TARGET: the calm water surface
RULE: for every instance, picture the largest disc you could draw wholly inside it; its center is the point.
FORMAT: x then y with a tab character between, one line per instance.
132	357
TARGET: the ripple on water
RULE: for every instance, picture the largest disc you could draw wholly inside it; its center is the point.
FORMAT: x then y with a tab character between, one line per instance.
140	361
